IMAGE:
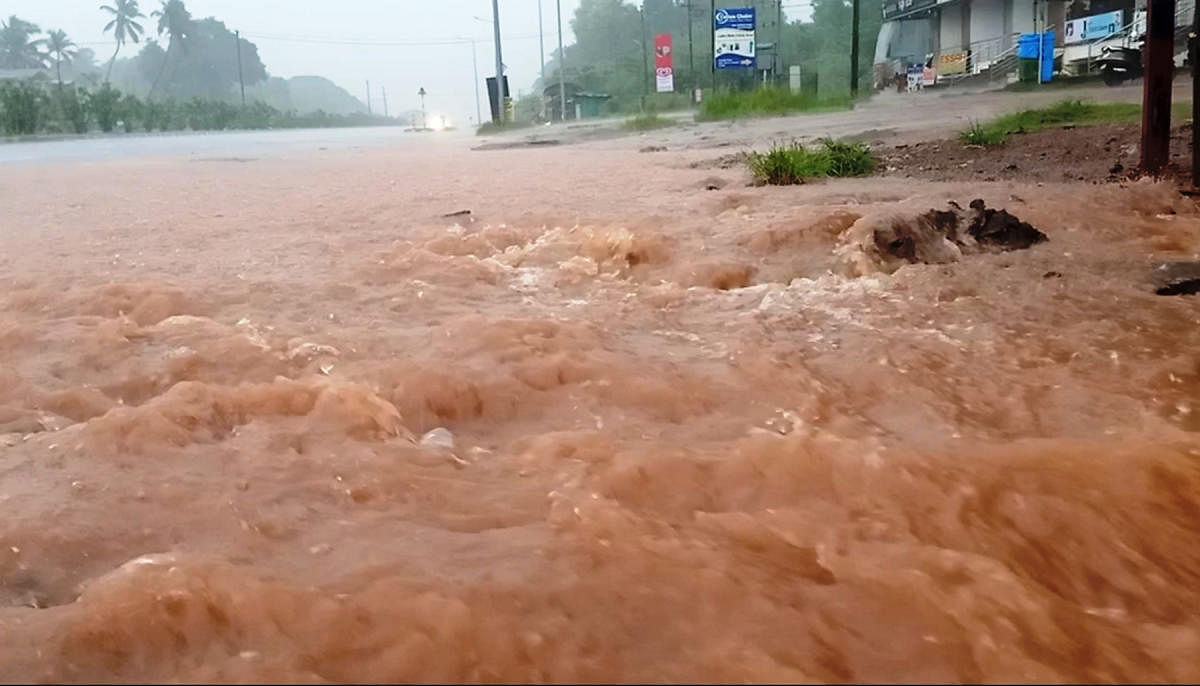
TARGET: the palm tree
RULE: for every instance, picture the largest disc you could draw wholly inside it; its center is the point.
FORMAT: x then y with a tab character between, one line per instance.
61	49
17	49
175	22
124	26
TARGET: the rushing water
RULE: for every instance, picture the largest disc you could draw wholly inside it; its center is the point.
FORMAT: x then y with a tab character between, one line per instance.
687	440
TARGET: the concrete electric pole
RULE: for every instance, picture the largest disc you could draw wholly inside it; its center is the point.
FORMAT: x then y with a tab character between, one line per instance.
499	62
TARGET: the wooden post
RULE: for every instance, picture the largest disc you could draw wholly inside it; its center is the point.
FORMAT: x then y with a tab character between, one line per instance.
1156	91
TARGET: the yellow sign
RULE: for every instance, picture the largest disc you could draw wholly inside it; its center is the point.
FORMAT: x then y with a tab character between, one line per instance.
952	63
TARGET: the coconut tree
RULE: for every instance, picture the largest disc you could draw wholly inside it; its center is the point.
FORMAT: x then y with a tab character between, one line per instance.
18	49
124	26
174	22
61	49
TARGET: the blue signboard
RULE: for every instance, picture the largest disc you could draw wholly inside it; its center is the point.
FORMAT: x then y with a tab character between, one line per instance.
733	38
1094	27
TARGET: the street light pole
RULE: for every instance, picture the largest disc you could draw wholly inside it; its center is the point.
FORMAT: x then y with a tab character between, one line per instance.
475	83
499	62
562	68
424	119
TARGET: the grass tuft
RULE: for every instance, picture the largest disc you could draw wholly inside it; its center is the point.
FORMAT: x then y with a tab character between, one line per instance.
978	134
793	163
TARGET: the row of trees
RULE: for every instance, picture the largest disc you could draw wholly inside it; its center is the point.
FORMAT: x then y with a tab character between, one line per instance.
611	35
28	108
182	79
201	58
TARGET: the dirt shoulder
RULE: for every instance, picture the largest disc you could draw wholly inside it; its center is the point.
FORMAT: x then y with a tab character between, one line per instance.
1089	154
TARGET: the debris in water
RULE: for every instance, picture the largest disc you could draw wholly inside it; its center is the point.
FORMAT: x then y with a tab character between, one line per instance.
439	439
885	242
1001	229
1178	278
1189	287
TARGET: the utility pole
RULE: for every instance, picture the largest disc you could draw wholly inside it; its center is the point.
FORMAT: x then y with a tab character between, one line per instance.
854	12
645	60
237	35
1194	54
778	66
499	61
1156	88
562	68
691	51
542	57
385	107
369	97
712	41
475	66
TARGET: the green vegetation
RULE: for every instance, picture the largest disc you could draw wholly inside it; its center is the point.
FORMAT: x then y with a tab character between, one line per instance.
786	165
647	122
766	102
997	131
607	56
124	26
489	127
978	134
28	108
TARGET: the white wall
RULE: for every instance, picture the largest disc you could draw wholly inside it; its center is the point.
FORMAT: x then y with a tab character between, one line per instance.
1022	19
951	28
987	19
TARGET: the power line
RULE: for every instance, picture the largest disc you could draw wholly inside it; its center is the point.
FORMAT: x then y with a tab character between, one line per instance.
351	42
382	44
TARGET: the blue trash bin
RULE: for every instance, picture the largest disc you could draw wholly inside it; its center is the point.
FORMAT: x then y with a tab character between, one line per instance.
1027	48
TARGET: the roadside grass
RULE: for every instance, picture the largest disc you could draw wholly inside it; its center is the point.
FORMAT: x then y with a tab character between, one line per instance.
1068	112
648	121
978	134
793	163
766	102
492	127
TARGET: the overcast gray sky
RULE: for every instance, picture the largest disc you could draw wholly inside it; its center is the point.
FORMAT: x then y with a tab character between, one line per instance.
445	71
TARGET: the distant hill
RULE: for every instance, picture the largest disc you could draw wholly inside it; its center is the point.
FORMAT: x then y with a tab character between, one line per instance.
305	94
312	93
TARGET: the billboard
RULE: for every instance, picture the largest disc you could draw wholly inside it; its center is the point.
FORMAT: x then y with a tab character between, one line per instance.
733	38
664	63
1094	27
895	9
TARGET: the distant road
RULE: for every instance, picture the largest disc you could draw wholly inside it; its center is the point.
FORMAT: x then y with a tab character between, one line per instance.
888	115
225	144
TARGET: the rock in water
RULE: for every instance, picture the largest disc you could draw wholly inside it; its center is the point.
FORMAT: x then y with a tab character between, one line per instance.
1000	229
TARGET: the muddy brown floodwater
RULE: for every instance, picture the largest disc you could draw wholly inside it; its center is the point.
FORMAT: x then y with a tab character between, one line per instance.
686	441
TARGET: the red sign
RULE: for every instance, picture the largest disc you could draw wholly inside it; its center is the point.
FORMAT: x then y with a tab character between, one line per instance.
664	63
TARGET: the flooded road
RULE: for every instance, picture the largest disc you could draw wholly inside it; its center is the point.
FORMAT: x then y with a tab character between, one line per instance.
280	419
